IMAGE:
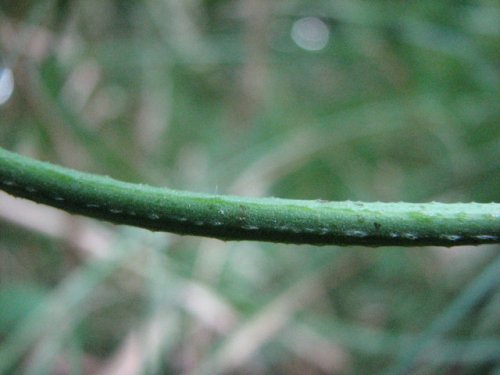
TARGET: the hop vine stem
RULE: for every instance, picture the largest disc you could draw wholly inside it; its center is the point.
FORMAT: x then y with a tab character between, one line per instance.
239	218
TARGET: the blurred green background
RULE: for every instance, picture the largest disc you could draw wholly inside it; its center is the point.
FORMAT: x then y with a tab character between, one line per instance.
362	100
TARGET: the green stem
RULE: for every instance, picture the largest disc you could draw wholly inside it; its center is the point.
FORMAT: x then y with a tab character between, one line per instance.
260	219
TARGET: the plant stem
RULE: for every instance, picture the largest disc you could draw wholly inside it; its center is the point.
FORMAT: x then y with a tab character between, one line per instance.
261	219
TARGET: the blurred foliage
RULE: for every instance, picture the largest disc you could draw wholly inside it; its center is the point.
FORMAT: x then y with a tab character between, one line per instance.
216	96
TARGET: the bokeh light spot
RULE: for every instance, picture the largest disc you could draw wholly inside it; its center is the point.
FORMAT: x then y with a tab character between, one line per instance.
310	33
6	84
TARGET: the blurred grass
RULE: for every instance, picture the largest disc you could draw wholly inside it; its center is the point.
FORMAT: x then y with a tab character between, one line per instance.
215	96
